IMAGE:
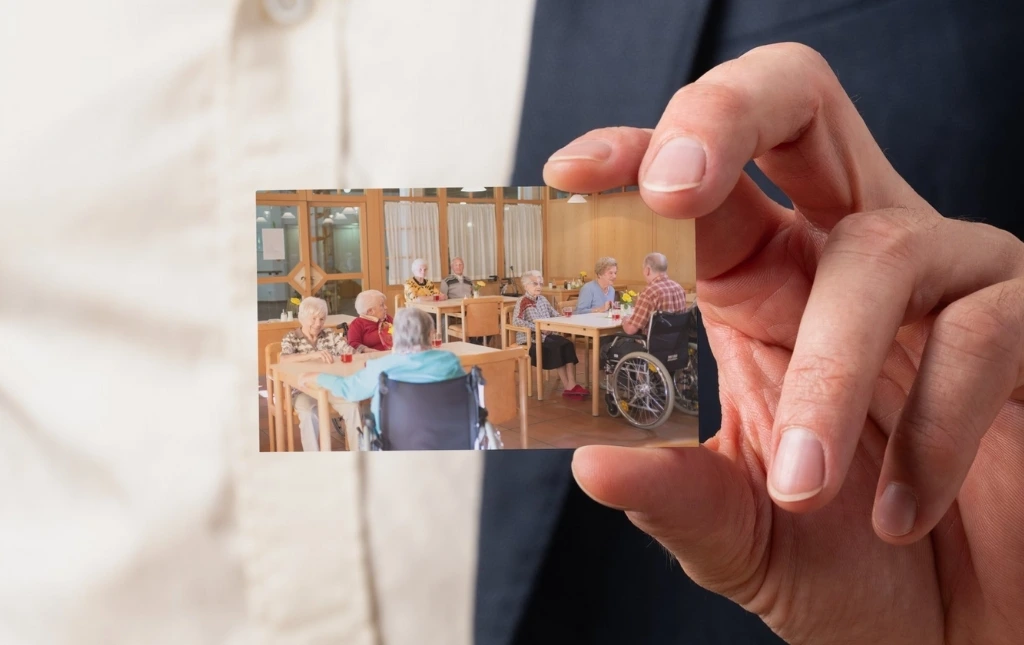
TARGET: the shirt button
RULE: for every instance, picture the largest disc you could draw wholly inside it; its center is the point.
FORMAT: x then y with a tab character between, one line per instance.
287	12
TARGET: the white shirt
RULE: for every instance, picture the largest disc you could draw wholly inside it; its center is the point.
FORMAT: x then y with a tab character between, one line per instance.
137	508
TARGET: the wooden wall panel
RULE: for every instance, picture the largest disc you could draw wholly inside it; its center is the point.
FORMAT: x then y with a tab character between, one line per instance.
569	244
676	239
624	230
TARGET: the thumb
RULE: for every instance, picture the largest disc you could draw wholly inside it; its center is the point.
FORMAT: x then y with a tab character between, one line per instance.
696	502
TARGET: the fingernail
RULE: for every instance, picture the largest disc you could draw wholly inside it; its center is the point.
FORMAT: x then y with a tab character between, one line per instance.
798	470
679	165
585	150
897	510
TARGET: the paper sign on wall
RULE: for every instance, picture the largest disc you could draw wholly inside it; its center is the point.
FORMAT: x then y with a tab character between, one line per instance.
273	244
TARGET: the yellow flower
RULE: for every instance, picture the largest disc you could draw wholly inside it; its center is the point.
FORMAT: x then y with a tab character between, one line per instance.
626	297
632	293
481	283
583	274
295	301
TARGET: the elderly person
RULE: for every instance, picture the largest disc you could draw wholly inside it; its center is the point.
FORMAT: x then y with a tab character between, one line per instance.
662	294
413	361
457	285
371	331
418	288
598	295
311	342
558	352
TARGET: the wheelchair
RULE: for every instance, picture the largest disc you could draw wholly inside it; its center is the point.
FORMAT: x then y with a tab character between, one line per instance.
446	415
646	377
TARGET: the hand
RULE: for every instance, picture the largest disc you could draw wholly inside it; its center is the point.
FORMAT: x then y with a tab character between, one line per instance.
308	380
322	355
444	297
891	335
606	306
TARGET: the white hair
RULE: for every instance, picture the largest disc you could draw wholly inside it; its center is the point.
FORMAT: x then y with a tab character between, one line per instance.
603	264
414	329
366	299
656	262
416	263
533	276
309	307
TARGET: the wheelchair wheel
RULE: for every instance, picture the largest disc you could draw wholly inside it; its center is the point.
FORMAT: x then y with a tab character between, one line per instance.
685	381
611	405
643	390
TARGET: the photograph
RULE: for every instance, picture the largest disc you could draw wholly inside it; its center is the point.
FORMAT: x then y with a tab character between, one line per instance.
410	319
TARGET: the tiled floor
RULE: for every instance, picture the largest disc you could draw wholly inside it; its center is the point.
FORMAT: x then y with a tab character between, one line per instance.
560	423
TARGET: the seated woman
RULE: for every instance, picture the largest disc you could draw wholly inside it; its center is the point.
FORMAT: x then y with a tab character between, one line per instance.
418	288
413	361
311	342
558	352
598	295
371	331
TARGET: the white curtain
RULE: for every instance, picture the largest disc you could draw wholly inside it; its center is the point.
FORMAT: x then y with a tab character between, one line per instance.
471	236
524	239
412	231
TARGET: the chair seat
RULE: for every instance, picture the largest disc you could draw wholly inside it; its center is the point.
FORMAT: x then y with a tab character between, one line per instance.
455	329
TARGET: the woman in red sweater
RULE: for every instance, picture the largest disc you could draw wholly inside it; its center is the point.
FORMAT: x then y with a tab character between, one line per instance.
371	331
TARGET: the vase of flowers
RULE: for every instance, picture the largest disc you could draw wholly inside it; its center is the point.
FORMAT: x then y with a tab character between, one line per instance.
477	286
628	297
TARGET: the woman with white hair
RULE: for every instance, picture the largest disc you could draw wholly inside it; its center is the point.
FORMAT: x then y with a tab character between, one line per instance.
412	361
558	352
371	331
311	342
418	288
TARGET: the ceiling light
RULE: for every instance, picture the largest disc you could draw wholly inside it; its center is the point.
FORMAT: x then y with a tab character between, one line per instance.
349	210
472	189
470	224
266	212
261	220
288	215
462	203
347	190
577	199
327	221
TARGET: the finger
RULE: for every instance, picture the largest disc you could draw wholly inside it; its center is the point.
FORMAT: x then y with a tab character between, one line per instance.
739	227
973	361
694	501
783	106
876	272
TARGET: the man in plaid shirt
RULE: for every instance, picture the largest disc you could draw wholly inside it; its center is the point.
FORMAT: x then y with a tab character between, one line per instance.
661	294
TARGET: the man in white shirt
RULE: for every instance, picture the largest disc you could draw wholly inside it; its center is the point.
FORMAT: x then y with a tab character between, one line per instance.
457	285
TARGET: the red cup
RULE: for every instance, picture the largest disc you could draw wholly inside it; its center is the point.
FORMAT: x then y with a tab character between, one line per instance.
436	343
616	315
567	311
346	358
437	297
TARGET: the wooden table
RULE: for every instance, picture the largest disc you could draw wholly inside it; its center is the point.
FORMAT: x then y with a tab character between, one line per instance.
497	367
452	308
591	326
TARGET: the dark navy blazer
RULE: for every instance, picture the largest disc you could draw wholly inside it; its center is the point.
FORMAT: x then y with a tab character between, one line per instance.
936	82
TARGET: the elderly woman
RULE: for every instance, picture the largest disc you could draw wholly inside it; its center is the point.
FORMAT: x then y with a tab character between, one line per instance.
418	288
412	361
311	342
598	295
557	352
371	331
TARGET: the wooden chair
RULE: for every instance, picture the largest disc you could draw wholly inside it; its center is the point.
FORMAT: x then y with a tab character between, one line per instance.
508	341
271	354
481	318
399	302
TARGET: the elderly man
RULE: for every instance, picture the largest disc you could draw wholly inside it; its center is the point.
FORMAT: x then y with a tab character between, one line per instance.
413	361
457	285
371	331
662	294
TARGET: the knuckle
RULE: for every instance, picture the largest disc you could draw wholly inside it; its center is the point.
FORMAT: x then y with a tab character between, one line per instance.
876	235
726	100
821	378
984	330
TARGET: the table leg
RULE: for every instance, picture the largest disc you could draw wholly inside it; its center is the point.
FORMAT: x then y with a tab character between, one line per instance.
524	374
278	412
445	332
324	408
540	363
595	358
288	421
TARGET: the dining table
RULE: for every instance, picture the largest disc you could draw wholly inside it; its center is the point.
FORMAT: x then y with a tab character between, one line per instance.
590	326
497	366
452	308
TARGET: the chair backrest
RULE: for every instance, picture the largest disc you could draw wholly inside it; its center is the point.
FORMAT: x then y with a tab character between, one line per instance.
481	316
430	416
668	337
271	354
399	301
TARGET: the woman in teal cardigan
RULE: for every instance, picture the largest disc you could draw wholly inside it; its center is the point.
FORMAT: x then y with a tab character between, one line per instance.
598	295
412	361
